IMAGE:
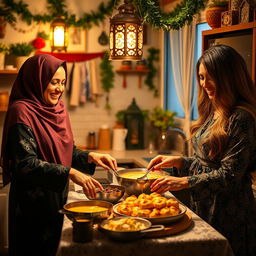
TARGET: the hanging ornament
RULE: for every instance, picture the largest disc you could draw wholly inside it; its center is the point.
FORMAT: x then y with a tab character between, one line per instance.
103	38
38	43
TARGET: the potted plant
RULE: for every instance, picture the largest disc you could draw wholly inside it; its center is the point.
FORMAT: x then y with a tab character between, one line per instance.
4	49
213	12
162	120
22	51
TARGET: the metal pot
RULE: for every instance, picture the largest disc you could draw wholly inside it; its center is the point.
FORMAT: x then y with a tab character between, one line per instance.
129	235
96	216
134	186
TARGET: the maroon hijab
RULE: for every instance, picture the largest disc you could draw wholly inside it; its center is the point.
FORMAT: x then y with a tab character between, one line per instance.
49	123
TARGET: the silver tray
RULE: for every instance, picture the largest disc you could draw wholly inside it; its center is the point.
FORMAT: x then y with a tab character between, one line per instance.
158	220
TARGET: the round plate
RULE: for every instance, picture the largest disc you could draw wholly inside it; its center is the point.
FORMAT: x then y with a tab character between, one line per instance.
158	220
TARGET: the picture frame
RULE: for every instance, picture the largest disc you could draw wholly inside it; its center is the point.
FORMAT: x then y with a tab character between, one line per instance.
77	39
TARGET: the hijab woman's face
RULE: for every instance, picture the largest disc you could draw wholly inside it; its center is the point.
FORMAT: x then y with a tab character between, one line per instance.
206	82
56	87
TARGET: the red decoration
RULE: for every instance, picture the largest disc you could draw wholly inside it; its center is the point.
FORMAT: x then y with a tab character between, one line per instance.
38	43
74	57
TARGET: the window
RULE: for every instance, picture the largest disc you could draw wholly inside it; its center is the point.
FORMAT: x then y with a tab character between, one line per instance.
171	101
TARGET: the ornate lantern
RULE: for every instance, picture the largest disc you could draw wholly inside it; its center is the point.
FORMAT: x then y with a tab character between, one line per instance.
134	122
126	34
59	35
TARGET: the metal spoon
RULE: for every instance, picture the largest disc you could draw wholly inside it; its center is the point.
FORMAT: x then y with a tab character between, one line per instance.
144	177
115	172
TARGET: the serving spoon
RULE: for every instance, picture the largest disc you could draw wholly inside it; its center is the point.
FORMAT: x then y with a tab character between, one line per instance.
144	177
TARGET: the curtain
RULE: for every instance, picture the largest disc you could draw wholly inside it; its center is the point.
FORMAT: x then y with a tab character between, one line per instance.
182	46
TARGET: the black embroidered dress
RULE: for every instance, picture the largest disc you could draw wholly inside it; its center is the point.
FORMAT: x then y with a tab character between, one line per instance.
38	190
221	191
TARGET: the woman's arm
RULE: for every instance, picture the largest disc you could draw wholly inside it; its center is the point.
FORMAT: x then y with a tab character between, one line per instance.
80	161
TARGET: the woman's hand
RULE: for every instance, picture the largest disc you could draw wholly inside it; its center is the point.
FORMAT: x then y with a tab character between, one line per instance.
164	162
88	184
104	160
169	183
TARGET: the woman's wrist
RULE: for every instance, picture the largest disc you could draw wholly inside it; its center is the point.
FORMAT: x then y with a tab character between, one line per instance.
185	183
90	157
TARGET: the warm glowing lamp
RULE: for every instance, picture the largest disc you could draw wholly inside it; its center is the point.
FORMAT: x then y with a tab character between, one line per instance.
126	34
59	35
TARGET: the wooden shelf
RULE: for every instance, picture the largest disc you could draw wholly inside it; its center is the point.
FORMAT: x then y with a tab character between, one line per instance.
139	72
4	71
233	36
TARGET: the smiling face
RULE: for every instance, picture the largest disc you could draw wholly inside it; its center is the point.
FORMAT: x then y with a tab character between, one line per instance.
56	87
206	82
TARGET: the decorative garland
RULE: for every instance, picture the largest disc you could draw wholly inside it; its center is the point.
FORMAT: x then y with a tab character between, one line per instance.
148	9
153	55
57	8
183	13
107	77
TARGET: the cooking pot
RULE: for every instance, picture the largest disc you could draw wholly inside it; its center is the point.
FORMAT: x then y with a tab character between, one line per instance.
129	235
134	186
96	216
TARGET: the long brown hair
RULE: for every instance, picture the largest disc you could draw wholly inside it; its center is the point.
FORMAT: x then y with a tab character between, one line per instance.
234	89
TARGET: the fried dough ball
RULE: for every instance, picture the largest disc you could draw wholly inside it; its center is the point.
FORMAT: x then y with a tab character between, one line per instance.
172	202
131	198
128	203
174	210
146	204
125	209
154	195
136	202
143	196
144	213
159	202
165	211
135	211
155	213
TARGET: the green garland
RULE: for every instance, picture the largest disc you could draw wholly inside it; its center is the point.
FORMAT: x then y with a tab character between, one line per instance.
57	8
149	81
183	13
148	9
107	77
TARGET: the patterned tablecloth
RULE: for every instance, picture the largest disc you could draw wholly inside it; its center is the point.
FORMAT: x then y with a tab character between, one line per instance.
200	239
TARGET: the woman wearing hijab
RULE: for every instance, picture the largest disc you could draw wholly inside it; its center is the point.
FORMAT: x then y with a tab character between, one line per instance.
38	157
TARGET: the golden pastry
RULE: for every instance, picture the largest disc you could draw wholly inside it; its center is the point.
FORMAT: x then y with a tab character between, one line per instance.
144	213
146	204
155	213
159	202
172	202
165	211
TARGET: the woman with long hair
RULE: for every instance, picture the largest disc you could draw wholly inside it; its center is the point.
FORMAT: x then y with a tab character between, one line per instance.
218	175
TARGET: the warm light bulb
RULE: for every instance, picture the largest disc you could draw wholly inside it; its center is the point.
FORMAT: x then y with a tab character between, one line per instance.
59	36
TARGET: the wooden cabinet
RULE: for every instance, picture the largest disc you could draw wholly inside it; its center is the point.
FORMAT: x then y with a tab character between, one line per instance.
241	37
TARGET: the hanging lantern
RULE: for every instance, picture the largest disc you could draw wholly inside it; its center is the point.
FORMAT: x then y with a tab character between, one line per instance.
59	35
126	34
134	122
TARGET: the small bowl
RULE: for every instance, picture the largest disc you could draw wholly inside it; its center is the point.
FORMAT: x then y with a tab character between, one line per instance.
111	193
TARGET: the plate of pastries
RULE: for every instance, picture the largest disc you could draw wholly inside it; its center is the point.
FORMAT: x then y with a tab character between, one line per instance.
154	207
